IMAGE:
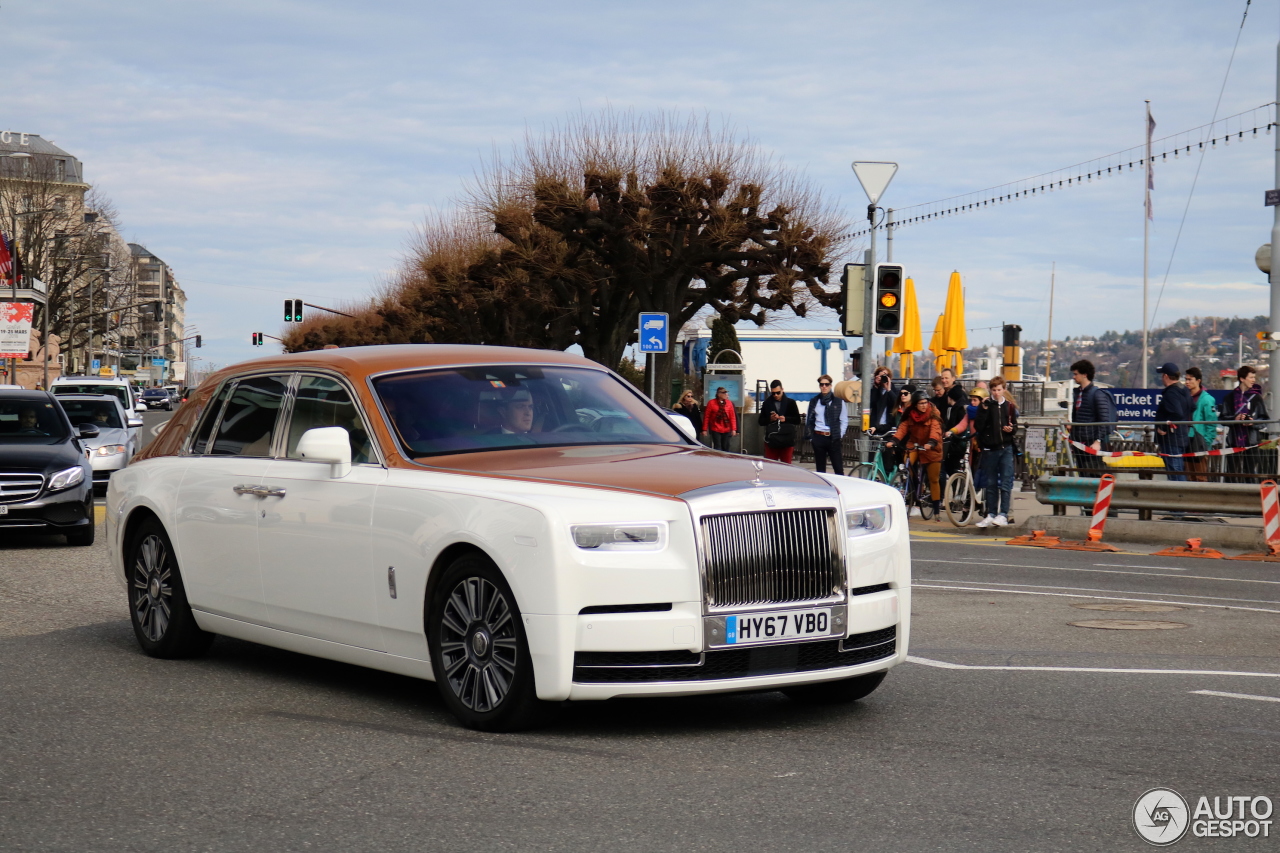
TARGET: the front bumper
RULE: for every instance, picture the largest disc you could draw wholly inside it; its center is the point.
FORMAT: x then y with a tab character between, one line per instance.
58	513
105	466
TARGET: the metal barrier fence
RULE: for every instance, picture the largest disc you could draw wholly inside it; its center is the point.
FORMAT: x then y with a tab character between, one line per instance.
1045	450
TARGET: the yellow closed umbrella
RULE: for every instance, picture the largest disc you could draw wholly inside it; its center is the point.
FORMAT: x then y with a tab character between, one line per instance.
940	355
906	344
953	337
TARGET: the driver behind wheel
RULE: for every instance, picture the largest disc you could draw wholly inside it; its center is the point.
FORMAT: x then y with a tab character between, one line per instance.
515	412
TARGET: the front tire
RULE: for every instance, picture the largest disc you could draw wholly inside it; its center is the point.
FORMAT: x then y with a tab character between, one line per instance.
836	692
864	471
158	608
958	501
479	651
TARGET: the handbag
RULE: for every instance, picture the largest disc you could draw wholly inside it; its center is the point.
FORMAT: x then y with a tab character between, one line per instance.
780	434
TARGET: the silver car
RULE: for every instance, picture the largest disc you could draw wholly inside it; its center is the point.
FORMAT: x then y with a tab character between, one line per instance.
117	438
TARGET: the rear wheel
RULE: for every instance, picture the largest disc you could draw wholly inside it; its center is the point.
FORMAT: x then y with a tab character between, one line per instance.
863	471
158	608
958	500
479	652
836	692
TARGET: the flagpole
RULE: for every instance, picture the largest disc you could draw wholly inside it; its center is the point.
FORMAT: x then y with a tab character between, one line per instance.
1146	250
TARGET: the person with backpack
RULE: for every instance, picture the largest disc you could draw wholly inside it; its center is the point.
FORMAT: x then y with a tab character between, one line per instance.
720	421
780	417
997	430
1090	405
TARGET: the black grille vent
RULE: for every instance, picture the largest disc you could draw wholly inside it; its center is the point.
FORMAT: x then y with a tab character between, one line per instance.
771	557
588	667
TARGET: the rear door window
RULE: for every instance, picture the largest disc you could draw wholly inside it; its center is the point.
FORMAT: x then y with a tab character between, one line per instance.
248	424
323	402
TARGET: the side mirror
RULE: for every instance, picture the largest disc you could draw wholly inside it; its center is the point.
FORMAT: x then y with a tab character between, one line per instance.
134	423
88	431
141	407
327	444
685	426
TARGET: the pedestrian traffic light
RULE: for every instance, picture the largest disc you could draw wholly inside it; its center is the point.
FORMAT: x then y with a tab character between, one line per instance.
888	300
853	291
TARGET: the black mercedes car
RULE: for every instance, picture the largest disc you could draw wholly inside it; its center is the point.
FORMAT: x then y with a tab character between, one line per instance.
157	398
46	480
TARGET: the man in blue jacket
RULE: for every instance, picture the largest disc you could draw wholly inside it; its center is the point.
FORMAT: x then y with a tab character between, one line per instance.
827	420
1175	405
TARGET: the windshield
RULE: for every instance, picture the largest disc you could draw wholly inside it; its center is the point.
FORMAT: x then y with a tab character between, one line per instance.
487	408
155	392
30	422
118	391
104	414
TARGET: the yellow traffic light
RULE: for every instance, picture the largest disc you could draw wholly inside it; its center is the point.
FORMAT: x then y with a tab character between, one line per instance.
888	300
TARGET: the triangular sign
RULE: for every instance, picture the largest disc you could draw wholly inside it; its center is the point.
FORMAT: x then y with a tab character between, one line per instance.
874	177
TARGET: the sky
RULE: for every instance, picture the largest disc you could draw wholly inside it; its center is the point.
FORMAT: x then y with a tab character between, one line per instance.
276	148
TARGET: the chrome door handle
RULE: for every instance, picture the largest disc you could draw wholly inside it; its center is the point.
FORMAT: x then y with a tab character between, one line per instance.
271	491
247	490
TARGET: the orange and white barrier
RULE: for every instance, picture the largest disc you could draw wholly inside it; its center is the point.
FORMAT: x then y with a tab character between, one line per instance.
1270	525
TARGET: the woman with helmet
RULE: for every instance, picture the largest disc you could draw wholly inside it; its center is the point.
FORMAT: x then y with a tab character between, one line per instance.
920	432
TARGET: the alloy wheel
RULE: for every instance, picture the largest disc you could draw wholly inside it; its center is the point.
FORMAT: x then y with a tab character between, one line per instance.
478	644
152	588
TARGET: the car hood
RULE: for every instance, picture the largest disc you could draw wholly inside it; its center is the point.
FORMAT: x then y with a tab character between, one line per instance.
41	458
111	435
651	469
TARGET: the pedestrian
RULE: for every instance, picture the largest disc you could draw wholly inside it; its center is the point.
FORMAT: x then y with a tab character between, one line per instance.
1090	405
1175	405
720	421
1204	434
950	401
688	406
976	396
884	407
997	430
827	420
920	434
780	417
1244	403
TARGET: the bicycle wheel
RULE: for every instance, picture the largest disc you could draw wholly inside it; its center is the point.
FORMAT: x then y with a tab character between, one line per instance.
958	499
923	498
863	471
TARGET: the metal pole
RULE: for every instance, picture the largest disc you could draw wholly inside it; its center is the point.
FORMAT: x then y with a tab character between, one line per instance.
44	334
1146	244
649	378
1273	324
1048	355
868	330
888	257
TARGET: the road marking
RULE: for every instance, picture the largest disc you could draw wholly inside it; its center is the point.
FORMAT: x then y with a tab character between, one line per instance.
1127	566
1236	695
155	430
1096	571
99	513
940	664
1197	599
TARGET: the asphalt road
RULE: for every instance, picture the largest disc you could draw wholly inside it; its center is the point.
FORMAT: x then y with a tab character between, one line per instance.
1010	730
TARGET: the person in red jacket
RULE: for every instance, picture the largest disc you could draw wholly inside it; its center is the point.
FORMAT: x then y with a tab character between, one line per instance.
720	421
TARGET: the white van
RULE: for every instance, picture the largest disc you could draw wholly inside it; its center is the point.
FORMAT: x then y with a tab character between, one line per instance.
119	388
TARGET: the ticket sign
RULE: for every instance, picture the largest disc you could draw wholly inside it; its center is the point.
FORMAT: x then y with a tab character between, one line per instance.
15	329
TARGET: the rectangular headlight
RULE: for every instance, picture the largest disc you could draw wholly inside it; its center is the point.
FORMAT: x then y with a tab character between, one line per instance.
867	520
648	536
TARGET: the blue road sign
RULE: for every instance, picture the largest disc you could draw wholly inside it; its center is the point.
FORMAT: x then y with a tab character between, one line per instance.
158	362
654	332
97	365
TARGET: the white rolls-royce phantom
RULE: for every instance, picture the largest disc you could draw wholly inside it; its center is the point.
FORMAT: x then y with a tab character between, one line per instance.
520	526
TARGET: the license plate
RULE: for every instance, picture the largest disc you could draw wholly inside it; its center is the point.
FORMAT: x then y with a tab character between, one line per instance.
4	510
778	626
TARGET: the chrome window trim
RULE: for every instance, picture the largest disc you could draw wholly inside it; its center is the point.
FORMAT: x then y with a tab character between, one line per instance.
381	460
228	383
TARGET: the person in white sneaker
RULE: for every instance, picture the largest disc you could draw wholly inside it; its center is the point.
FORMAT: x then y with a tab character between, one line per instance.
996	431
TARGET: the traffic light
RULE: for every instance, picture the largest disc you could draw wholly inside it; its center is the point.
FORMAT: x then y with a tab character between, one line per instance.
293	310
853	289
888	300
198	341
257	339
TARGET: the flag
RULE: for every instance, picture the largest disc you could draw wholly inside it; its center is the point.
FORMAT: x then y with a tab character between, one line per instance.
6	257
1151	177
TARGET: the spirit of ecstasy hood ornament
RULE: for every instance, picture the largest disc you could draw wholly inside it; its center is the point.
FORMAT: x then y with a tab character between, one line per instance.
759	466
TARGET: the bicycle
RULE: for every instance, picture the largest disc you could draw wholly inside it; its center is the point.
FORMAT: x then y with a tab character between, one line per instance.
913	485
879	469
960	497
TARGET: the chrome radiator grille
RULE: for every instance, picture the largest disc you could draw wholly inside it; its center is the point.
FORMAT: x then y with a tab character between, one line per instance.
771	557
20	487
